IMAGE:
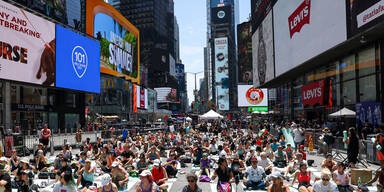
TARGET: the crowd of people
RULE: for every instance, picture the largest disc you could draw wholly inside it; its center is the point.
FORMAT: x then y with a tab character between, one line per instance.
218	152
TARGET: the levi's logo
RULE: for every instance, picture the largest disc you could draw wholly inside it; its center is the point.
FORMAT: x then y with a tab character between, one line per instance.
299	17
313	93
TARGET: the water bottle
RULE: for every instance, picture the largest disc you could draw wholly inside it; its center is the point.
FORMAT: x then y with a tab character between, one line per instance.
359	182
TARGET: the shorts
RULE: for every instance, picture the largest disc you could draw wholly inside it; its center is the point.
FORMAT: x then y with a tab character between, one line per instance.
305	184
45	142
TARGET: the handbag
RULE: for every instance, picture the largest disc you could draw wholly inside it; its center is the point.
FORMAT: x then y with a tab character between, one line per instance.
224	187
204	178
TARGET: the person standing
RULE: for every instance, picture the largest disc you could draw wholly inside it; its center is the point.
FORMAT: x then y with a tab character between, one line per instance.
45	135
298	133
379	144
353	147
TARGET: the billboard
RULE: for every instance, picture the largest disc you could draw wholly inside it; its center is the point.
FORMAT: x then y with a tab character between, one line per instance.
77	61
220	15
259	10
27	49
299	26
251	97
166	94
142	97
220	3
363	14
221	73
244	47
180	76
262	52
368	112
119	40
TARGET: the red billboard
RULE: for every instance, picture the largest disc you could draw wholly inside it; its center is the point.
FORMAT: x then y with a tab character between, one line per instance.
313	93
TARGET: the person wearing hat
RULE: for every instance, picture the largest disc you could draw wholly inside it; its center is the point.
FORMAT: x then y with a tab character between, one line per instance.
159	174
205	165
146	183
24	166
254	176
192	183
171	165
265	163
327	140
119	175
5	178
277	183
4	163
86	174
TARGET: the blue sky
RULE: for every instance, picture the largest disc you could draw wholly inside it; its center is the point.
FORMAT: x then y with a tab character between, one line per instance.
192	19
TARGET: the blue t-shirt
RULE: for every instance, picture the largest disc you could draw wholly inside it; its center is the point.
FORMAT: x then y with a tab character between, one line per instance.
125	133
274	146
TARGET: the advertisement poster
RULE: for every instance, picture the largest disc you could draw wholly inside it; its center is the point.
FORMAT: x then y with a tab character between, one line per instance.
251	97
299	26
244	44
8	145
134	91
28	50
368	112
118	46
77	61
220	15
142	97
363	14
260	9
221	73
313	93
220	3
262	49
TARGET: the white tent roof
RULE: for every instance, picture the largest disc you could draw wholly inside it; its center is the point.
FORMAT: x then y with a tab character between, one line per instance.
211	115
344	112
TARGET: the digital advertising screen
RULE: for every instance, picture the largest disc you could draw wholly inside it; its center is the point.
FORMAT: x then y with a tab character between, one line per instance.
244	47
220	3
251	97
300	27
222	73
259	10
78	61
221	15
262	53
27	49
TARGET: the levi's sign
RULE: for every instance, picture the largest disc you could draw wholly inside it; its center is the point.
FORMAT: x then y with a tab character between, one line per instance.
299	17
313	93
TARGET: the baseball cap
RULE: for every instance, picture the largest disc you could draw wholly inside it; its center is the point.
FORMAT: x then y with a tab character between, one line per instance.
4	159
205	154
276	174
145	173
115	164
263	154
105	179
156	162
24	160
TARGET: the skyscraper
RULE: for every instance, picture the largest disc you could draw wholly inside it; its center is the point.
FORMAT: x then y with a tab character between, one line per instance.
221	54
156	22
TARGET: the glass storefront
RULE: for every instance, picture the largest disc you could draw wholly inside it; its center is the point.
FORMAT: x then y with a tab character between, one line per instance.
351	80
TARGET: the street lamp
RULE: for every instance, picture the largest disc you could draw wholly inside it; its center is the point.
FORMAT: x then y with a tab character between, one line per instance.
195	90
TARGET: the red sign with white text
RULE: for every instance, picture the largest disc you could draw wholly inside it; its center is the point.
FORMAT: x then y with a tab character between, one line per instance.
142	97
299	17
313	93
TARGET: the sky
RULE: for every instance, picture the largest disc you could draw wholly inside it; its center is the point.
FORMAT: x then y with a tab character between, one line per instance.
192	20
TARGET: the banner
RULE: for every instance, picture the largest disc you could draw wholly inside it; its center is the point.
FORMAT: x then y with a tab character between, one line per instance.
298	26
249	96
134	98
313	93
78	61
368	112
262	52
221	15
244	47
142	97
363	14
27	49
221	73
259	10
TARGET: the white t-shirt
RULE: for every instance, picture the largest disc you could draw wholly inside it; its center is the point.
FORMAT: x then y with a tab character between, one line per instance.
298	135
319	187
264	163
61	188
213	148
255	174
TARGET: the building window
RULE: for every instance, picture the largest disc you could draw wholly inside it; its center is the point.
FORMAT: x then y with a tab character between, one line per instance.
347	68
349	92
366	62
367	86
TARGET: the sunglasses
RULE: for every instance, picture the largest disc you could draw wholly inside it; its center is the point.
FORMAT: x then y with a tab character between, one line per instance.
325	179
191	181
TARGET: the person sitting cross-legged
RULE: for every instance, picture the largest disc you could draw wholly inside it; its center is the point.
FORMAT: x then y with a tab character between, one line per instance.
254	176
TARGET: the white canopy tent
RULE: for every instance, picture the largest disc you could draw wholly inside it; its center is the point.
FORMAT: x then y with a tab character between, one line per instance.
344	112
211	115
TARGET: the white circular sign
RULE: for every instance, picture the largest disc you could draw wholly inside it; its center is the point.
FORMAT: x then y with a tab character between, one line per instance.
79	61
221	14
